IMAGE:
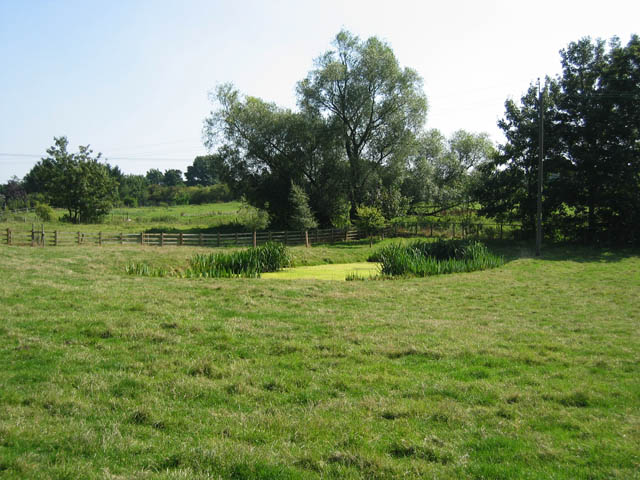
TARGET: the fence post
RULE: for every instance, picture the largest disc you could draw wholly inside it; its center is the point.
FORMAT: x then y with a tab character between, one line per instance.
346	234
255	240
141	238
270	235
286	237
42	236
100	238
316	235
200	239
78	238
162	239
121	239
306	238
33	236
181	239
218	239
55	238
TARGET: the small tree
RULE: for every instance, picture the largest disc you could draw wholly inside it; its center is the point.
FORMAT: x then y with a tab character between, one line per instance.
370	220
44	212
76	181
341	217
253	218
302	217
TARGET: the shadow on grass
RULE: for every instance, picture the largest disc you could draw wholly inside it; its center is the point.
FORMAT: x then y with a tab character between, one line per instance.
513	250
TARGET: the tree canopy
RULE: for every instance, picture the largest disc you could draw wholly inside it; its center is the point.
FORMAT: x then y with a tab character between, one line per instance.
359	114
378	106
591	149
75	181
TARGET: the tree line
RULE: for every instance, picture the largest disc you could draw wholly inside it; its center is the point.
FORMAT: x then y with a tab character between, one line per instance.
356	149
88	188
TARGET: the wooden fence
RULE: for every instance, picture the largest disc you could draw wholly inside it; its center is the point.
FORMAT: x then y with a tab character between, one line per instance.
41	237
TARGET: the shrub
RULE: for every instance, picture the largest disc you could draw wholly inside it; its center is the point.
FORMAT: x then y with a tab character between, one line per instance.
422	258
45	212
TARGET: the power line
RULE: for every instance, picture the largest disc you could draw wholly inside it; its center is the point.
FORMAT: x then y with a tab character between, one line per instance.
187	158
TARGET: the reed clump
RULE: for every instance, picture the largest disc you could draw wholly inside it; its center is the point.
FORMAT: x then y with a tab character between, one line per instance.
423	258
249	263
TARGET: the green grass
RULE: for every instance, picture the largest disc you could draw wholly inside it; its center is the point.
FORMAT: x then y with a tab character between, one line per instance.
133	220
526	371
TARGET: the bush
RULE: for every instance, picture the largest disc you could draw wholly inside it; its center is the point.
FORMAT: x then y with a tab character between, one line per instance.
249	263
422	258
45	212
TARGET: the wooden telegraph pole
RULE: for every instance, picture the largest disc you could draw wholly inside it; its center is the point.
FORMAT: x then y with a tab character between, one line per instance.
540	155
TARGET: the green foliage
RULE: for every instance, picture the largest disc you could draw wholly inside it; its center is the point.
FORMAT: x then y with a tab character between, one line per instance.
205	170
393	204
154	176
249	263
591	162
74	181
45	212
369	220
341	217
423	258
183	195
365	76
172	177
253	218
301	217
268	147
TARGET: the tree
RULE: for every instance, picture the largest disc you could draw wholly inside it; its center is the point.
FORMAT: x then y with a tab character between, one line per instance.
370	221
76	181
507	189
591	160
13	193
301	218
378	106
172	177
155	177
441	172
134	190
204	170
267	147
252	218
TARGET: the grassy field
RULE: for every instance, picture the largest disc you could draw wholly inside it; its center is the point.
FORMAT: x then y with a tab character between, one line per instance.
133	220
526	371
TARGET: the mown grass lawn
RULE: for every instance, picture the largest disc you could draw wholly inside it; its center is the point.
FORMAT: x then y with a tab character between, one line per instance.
530	370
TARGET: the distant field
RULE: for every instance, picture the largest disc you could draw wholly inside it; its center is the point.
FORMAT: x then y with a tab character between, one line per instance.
192	217
525	371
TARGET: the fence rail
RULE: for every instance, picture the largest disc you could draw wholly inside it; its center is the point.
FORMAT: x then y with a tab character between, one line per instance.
41	237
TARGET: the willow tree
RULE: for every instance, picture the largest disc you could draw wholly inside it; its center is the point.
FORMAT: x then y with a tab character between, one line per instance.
379	106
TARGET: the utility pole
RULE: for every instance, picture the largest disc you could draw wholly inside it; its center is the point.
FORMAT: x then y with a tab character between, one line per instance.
540	155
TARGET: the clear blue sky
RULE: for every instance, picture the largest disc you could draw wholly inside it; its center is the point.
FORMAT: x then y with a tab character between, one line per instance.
131	77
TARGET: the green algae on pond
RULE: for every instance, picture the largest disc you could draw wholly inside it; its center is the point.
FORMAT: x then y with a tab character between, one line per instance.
336	271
